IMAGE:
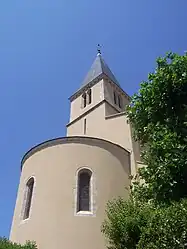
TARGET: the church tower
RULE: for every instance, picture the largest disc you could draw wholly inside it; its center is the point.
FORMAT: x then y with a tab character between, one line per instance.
98	110
66	182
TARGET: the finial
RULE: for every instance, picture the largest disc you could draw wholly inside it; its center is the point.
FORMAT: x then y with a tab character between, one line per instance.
99	49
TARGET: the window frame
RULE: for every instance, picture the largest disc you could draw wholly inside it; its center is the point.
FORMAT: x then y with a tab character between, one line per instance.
119	101
91	197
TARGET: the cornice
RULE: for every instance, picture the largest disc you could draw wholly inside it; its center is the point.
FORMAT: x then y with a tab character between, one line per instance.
95	81
66	140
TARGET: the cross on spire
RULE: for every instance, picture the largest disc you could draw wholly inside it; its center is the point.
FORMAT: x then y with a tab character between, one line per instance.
98	68
99	49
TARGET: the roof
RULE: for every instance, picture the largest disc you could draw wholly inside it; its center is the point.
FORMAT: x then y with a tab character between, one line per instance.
99	67
66	140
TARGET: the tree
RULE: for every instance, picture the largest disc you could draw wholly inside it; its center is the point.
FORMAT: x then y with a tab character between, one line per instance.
158	115
136	225
6	244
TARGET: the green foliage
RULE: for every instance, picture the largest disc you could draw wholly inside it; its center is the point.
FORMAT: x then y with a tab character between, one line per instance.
161	99
125	222
166	228
158	114
131	225
6	244
155	216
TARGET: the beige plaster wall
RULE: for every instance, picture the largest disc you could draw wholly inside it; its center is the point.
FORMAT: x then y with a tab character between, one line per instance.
114	128
102	121
53	222
94	119
109	90
110	110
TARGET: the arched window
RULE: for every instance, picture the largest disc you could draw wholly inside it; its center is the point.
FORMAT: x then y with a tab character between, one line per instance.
28	199
84	190
119	101
115	100
84	99
89	96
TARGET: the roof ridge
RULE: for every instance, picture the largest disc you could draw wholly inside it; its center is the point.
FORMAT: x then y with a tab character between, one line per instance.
107	71
99	67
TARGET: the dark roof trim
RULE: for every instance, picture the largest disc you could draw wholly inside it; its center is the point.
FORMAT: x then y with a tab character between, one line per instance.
82	89
95	81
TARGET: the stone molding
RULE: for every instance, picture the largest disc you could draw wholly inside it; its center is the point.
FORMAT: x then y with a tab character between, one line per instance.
66	140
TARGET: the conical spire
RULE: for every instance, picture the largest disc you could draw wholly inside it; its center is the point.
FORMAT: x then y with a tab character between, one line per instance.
98	68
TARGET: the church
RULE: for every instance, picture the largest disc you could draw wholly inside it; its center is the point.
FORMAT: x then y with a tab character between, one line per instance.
66	182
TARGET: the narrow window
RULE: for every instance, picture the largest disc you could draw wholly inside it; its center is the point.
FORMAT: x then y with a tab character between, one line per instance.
84	99
115	100
29	193
85	126
84	189
89	96
119	101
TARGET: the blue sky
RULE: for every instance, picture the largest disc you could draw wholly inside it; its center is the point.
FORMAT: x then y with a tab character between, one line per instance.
47	47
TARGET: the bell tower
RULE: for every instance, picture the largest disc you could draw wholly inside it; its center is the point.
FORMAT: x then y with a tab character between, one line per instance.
98	109
99	85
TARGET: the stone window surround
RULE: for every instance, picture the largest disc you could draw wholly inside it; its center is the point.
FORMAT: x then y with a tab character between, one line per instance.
25	191
117	99
84	102
86	98
92	194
